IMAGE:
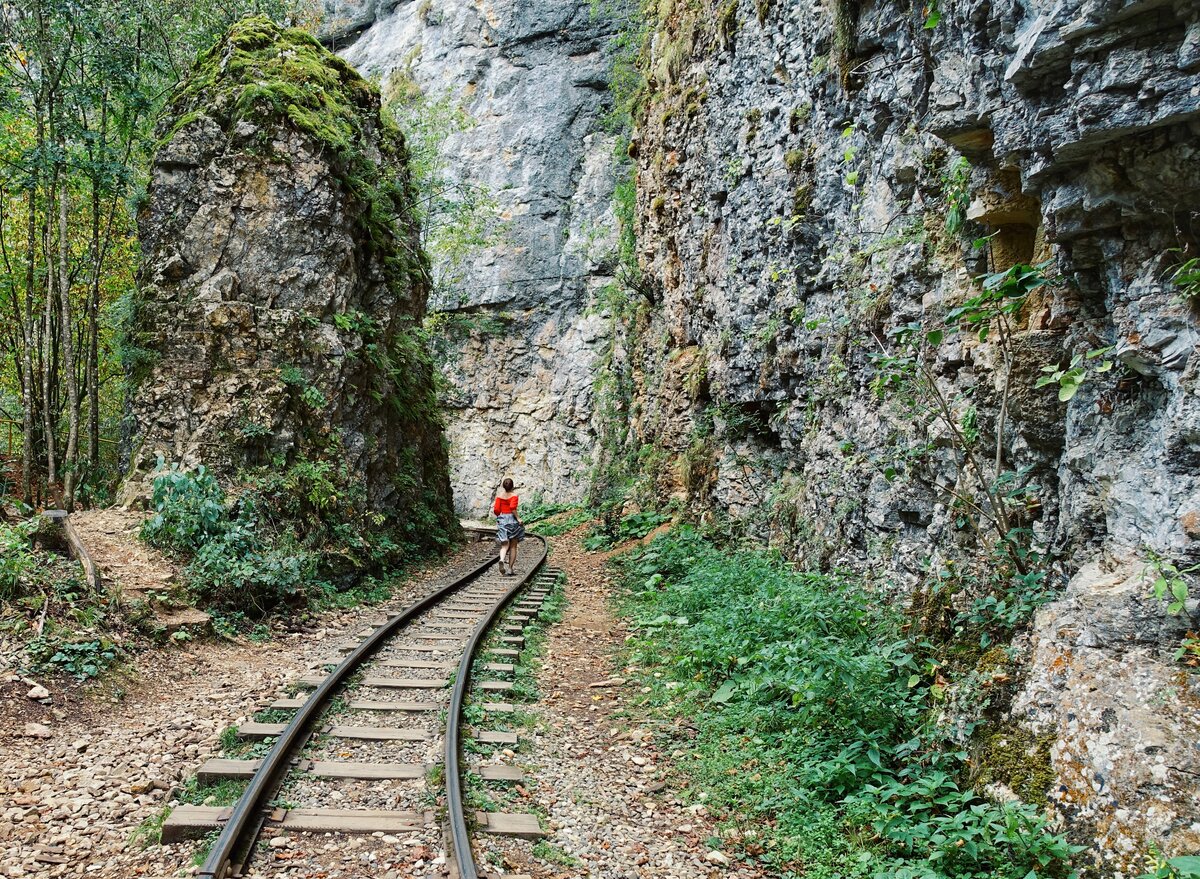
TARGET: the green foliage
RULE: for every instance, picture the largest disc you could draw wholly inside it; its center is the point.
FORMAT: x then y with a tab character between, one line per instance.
458	217
189	509
1181	867
1070	379
16	558
632	527
815	733
956	191
231	563
82	659
1168	582
1185	275
552	854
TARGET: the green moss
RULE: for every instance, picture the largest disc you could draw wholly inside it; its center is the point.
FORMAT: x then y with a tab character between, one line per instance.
271	76
1016	758
798	117
794	160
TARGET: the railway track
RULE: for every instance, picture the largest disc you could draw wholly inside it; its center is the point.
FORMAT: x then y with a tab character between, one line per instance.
394	704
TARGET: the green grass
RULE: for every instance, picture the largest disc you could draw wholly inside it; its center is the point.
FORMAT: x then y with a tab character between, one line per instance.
552	854
806	724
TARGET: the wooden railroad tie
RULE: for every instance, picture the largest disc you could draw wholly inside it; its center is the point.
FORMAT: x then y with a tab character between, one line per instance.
510	824
196	822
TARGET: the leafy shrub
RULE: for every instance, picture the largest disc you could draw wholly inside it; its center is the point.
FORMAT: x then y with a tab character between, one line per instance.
231	564
813	723
189	509
83	659
16	558
633	527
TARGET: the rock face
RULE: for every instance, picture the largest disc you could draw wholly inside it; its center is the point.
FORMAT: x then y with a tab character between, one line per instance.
282	281
532	77
810	178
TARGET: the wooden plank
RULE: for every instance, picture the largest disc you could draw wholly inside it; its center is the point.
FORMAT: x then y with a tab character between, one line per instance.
311	680
499	707
495	737
504	651
193	822
216	769
406	683
459	614
449	626
419	663
368	771
499	666
513	639
379	733
252	730
444	636
516	824
513	630
499	772
494	685
288	704
352	821
388	705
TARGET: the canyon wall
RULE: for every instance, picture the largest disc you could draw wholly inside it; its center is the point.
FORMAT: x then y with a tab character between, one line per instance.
282	284
532	77
811	178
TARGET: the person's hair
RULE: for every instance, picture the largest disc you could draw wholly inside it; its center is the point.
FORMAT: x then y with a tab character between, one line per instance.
507	485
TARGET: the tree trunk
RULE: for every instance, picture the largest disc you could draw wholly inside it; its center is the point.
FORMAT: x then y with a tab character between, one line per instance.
48	353
28	450
71	460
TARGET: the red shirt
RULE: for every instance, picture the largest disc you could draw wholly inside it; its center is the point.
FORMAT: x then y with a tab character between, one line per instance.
505	505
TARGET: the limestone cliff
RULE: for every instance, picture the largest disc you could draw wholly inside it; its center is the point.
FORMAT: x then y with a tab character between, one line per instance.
282	286
814	179
810	180
532	77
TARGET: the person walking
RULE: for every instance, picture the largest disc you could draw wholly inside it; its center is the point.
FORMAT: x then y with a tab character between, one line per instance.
509	530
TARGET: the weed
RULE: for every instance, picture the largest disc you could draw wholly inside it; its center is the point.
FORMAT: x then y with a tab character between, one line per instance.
812	729
552	854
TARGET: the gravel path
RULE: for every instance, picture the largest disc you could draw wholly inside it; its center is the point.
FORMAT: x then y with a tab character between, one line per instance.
71	804
594	770
72	798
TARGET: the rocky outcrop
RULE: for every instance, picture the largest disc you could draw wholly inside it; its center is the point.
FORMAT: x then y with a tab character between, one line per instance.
532	77
282	282
810	179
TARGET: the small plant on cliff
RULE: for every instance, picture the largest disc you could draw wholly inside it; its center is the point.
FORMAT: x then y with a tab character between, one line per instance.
1168	582
907	371
1186	278
1070	379
956	190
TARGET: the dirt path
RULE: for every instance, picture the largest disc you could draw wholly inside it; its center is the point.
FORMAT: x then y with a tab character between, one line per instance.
72	801
598	772
71	804
110	536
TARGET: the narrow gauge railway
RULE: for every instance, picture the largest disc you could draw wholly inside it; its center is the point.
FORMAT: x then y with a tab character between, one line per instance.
402	688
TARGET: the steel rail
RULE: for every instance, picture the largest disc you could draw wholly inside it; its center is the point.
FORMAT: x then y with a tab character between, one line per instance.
245	822
459	834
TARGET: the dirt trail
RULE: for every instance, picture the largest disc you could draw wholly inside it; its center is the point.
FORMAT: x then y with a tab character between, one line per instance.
599	774
72	800
111	538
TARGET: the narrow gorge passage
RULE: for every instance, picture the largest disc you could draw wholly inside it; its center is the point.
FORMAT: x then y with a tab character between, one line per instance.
846	353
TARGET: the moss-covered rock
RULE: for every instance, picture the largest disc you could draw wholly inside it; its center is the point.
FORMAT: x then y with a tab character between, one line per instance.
282	290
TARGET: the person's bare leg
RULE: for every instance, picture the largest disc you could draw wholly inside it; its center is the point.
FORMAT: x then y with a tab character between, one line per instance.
503	555
512	556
